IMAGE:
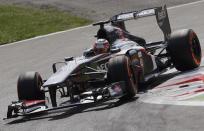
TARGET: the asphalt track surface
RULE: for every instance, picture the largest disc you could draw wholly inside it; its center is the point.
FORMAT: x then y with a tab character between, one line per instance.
95	9
38	55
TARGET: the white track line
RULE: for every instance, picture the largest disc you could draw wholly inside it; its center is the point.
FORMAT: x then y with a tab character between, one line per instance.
187	4
43	36
78	28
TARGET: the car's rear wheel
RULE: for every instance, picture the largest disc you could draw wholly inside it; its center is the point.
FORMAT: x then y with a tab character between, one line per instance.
29	85
184	49
119	69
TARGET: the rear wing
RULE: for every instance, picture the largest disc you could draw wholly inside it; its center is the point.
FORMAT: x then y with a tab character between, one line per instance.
160	13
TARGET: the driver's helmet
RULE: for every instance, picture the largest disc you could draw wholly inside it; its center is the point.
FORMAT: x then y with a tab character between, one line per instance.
101	46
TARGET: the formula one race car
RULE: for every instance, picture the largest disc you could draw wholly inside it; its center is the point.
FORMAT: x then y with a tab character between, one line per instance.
116	67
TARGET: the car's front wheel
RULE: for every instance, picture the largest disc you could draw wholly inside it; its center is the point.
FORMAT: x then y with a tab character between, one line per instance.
29	86
119	69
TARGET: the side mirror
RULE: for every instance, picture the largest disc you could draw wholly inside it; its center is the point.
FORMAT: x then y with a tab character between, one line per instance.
68	58
54	66
115	50
88	53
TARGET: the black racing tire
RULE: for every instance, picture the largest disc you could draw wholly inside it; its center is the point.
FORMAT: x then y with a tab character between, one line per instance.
184	49
119	69
29	85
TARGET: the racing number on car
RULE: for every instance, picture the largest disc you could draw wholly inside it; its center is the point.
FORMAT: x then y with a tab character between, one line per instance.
161	15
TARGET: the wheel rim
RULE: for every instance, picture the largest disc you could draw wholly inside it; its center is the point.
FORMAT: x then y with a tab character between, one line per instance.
131	77
195	49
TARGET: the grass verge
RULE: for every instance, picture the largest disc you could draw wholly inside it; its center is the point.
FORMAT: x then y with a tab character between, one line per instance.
18	23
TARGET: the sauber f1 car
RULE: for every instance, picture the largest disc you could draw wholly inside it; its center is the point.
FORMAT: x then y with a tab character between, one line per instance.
118	73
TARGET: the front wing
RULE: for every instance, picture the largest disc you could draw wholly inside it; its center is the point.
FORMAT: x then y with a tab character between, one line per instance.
29	107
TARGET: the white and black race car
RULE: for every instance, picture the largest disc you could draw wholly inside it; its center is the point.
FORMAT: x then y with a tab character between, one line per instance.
119	73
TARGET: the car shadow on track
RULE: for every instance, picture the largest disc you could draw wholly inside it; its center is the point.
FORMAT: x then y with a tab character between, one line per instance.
154	82
96	107
65	113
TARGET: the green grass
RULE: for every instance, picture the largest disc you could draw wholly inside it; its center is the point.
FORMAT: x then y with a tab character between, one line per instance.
18	23
197	98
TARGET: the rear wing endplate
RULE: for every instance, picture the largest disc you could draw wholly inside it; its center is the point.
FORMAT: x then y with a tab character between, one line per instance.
160	13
